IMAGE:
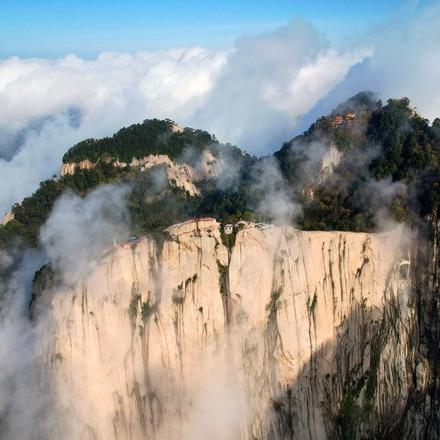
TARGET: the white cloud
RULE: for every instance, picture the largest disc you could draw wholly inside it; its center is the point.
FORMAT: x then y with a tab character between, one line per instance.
269	82
404	62
79	230
158	82
255	95
407	62
48	105
314	81
51	104
21	345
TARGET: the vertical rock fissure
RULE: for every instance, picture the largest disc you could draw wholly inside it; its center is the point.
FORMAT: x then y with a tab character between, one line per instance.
224	277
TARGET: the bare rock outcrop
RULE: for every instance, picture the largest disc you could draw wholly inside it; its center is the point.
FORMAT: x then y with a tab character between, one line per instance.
70	168
330	161
7	218
180	175
285	334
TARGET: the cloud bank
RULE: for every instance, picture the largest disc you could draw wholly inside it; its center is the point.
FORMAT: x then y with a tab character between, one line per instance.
259	93
48	105
79	229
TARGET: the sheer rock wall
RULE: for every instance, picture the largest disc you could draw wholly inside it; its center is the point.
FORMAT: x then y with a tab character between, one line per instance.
282	334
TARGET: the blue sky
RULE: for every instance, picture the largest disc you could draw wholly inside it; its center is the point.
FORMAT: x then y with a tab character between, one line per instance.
48	28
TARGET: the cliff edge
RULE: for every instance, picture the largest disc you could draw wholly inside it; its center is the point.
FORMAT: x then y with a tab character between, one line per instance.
278	333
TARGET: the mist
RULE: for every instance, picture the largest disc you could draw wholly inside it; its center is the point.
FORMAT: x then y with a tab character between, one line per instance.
21	346
76	235
79	229
261	92
256	95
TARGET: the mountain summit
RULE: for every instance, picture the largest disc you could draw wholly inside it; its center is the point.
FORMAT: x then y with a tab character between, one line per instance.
182	288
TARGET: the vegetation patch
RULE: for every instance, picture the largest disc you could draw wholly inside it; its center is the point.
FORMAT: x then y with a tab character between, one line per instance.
406	149
223	274
133	307
178	299
147	310
274	302
152	136
44	280
311	305
58	357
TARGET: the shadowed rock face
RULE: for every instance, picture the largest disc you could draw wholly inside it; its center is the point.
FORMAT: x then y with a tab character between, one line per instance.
285	334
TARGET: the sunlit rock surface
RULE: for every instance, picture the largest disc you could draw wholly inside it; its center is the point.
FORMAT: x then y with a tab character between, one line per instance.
180	175
282	334
9	216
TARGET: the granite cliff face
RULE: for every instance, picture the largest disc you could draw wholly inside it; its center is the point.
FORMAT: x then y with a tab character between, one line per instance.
180	175
267	333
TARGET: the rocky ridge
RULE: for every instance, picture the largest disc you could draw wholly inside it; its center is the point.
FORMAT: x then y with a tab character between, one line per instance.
180	175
